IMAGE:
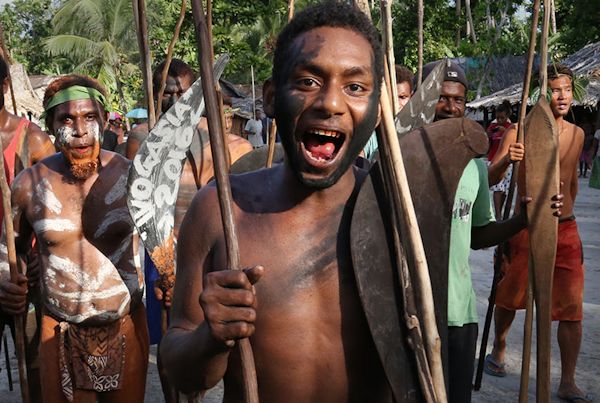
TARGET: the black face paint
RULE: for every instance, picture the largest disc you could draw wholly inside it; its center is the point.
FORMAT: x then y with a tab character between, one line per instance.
289	105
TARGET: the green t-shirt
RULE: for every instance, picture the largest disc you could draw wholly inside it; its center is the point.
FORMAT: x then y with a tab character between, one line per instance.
472	208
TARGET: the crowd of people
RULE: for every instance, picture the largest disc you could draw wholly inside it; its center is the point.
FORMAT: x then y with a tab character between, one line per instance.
296	298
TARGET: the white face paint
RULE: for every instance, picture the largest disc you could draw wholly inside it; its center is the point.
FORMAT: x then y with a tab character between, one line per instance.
64	135
95	130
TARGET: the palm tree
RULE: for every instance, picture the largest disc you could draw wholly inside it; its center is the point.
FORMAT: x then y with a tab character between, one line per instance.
97	36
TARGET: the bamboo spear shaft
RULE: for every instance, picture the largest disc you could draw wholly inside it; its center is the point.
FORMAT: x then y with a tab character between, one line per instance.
420	16
8	60
222	180
388	42
509	203
401	191
273	130
141	23
14	273
165	71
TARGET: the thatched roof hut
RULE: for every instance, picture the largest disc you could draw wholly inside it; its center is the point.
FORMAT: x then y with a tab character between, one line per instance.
585	62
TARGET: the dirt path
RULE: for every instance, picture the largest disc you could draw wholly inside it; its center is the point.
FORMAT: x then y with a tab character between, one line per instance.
493	389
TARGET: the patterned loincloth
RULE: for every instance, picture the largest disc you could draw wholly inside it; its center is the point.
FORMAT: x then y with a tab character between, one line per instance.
92	357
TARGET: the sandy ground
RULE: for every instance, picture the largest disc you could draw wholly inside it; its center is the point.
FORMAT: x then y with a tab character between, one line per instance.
493	389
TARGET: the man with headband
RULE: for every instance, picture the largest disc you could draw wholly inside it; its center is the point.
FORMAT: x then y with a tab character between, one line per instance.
297	298
94	339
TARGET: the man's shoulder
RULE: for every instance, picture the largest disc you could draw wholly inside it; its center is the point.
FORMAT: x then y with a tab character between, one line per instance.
114	161
44	169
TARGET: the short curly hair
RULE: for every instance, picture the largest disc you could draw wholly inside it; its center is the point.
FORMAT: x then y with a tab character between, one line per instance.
331	13
404	75
177	68
556	70
69	81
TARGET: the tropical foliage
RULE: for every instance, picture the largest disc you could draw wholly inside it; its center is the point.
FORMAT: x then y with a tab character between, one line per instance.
97	37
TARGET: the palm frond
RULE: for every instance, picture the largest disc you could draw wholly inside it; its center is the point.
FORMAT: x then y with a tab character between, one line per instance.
82	17
73	46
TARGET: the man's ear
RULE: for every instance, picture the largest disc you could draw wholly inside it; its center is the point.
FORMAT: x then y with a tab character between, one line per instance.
105	124
5	85
269	98
378	114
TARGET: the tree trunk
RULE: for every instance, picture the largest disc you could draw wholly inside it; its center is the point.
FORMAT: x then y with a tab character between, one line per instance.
458	24
486	70
491	21
122	103
470	25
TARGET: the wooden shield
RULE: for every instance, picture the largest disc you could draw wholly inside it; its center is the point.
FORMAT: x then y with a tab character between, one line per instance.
435	157
154	175
420	109
256	159
542	181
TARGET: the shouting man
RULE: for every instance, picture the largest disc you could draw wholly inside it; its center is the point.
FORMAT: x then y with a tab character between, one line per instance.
567	294
297	298
94	341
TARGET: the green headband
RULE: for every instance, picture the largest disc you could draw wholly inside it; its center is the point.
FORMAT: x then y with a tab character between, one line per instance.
74	93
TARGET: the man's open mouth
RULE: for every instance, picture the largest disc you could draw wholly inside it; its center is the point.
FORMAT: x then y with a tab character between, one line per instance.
322	146
82	150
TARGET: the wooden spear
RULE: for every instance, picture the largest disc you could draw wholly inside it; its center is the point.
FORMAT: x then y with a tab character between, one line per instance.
165	72
509	200
400	191
14	273
222	181
420	16
141	23
388	45
273	130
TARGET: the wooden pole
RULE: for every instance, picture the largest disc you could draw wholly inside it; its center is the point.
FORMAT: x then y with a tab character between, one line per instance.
526	356
222	180
388	43
165	72
400	191
420	16
273	130
14	273
544	50
290	10
253	94
8	61
509	199
139	12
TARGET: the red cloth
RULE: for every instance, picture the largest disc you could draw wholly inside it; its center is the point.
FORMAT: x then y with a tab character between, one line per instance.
567	291
495	137
10	157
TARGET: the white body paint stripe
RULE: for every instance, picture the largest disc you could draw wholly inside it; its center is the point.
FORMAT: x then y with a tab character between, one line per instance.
54	224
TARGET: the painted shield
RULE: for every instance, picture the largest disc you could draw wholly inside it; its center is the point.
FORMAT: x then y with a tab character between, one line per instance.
154	176
435	157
